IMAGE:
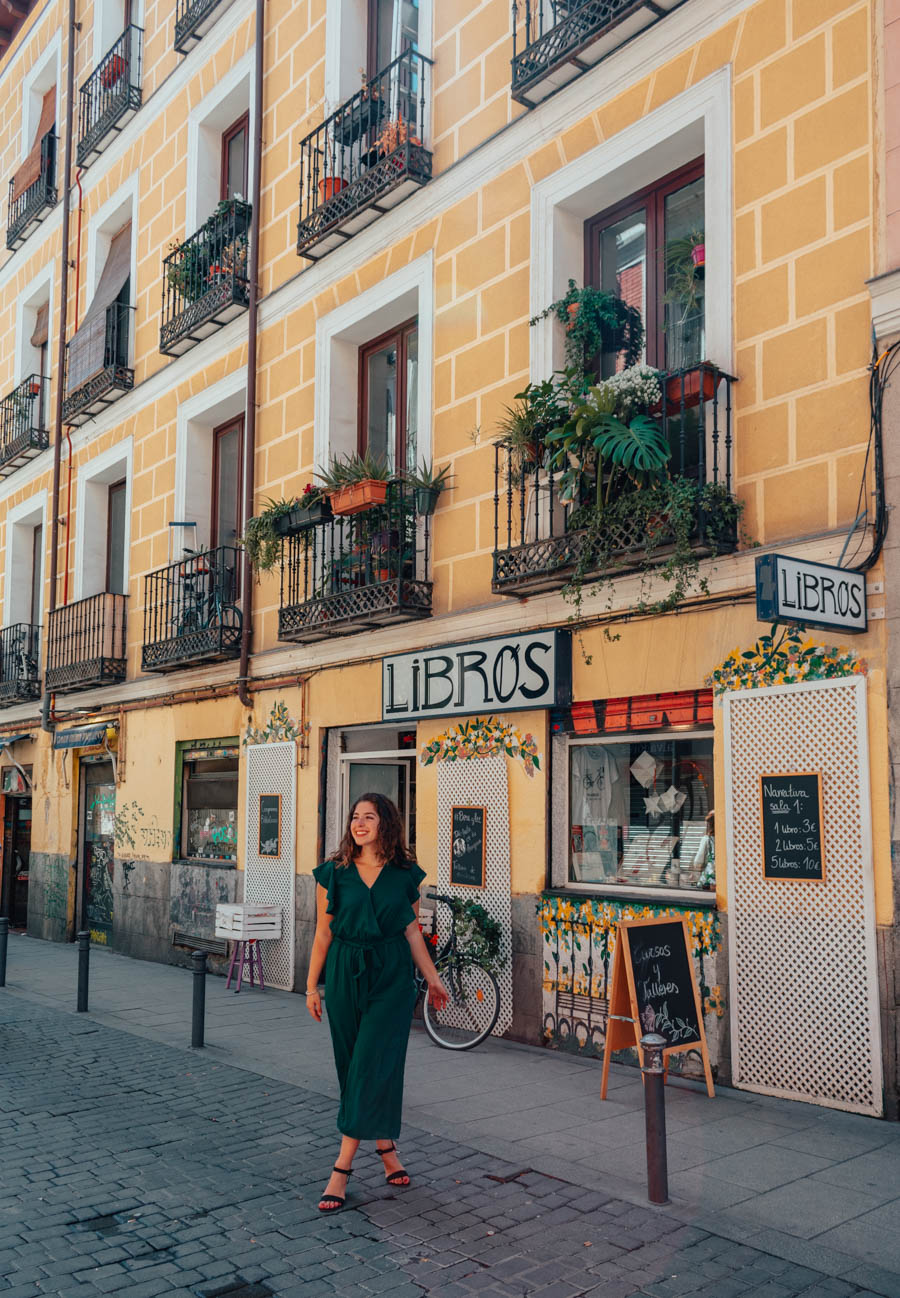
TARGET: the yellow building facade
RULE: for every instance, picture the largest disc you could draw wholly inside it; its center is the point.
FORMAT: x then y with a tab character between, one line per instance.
718	168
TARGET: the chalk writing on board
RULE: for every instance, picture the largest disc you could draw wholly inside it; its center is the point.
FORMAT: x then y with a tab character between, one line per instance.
269	824
663	982
791	807
467	829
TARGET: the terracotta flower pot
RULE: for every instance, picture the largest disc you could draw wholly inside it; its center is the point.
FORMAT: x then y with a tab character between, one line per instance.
358	496
698	254
112	73
572	309
702	380
329	186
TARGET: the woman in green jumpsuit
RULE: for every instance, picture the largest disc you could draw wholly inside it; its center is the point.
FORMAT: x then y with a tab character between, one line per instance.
367	938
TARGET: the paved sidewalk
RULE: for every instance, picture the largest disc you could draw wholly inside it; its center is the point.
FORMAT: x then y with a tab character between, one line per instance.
525	1182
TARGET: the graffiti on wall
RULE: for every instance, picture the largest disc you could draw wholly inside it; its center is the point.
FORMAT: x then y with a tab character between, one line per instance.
578	942
134	829
56	889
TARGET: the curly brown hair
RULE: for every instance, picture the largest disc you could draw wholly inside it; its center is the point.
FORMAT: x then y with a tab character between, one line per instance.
391	838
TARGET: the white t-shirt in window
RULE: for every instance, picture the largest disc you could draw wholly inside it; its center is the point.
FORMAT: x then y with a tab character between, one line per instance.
594	772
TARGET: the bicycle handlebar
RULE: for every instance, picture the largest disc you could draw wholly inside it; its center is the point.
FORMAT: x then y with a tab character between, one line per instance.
437	896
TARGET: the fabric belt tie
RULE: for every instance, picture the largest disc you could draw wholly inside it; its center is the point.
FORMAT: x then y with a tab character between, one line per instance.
368	961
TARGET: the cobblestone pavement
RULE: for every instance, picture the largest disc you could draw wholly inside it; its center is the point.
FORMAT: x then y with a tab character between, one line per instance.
127	1166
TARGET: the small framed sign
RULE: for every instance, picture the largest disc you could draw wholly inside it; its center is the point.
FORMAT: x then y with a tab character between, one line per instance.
270	824
467	838
792	834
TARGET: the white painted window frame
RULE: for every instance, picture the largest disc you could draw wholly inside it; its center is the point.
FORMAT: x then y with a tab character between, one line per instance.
27	515
30	300
194	424
340	334
45	72
698	121
109	24
91	508
231	97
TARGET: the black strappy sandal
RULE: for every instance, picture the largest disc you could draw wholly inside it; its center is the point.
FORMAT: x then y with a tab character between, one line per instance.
394	1178
335	1201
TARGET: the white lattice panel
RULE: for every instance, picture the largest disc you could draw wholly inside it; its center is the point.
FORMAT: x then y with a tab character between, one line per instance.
480	781
804	990
269	880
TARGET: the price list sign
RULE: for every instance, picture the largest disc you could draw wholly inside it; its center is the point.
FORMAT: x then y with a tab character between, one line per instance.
792	834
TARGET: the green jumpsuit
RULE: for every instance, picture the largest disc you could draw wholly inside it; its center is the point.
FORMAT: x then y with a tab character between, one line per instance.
370	992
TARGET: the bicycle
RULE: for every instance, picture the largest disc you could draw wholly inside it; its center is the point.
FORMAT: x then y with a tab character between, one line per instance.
25	663
207	608
474	1004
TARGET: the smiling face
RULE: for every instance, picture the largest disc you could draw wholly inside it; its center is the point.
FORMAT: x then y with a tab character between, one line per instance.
364	824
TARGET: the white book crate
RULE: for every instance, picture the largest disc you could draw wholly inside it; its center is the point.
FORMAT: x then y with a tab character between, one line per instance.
240	922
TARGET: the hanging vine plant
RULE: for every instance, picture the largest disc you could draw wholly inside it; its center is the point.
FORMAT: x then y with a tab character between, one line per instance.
480	935
596	321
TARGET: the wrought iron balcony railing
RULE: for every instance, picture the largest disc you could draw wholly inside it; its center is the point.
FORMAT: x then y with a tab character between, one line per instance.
20	676
193	19
111	96
555	41
538	546
359	571
205	279
109	380
191	614
31	206
366	158
86	643
23	423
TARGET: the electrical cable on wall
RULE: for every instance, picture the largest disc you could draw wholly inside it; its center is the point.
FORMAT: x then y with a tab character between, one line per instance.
881	372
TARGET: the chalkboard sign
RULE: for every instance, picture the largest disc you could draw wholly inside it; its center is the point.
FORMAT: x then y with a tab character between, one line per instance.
792	826
270	824
467	826
664	982
654	990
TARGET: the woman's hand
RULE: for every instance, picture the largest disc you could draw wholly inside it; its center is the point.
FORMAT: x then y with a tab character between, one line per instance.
438	996
314	1005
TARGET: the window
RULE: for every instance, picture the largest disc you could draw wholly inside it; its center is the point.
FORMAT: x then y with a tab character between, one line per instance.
393	24
40	342
37	574
388	383
210	797
227	481
115	538
101	339
235	153
643	250
637	811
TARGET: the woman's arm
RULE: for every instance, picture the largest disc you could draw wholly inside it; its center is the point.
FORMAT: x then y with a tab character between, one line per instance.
437	992
321	943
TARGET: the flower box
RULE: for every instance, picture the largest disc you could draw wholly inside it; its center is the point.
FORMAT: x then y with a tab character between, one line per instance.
702	380
358	496
303	517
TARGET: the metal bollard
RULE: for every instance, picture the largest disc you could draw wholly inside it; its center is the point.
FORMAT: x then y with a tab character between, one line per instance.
655	1118
4	939
198	960
84	962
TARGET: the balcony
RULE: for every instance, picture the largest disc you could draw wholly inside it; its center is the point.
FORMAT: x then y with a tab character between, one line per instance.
355	572
190	612
555	41
193	19
205	280
538	542
365	158
110	97
107	339
23	420
20	678
28	208
86	643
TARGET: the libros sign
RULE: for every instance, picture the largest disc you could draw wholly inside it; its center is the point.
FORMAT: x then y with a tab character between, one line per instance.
513	672
816	594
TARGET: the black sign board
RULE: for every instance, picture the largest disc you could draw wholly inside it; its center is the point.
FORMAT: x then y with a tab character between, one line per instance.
664	982
791	812
270	824
467	833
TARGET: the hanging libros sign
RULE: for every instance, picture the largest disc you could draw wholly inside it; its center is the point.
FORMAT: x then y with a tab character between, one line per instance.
814	594
515	672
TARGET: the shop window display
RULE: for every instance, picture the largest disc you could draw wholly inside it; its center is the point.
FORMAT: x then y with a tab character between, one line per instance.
637	812
210	809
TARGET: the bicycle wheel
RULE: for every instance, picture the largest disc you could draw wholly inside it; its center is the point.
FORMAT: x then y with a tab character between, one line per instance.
471	1012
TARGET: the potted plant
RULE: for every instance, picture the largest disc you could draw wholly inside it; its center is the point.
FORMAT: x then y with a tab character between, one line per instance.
112	72
354	483
309	511
263	535
428	485
595	322
524	427
685	266
686	388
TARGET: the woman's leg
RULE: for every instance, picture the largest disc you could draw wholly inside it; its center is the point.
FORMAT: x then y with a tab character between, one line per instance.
337	1184
392	1163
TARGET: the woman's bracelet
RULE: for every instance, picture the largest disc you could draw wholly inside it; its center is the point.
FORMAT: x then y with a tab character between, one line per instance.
314	992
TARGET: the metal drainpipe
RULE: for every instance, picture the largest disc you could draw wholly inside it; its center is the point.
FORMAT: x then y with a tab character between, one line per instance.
61	354
250	421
